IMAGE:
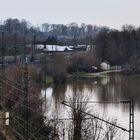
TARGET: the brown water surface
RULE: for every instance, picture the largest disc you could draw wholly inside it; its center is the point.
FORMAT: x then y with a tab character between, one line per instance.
112	88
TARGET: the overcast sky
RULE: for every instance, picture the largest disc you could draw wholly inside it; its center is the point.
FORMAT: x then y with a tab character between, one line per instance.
112	13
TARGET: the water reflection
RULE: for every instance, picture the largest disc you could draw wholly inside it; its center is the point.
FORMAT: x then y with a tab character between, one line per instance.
112	88
58	94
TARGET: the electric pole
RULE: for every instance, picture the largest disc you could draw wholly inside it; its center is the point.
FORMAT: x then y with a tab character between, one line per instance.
26	98
2	50
24	55
25	88
15	48
131	116
131	120
33	48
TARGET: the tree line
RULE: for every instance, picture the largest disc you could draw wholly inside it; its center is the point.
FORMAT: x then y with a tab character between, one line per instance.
19	26
70	30
40	127
119	47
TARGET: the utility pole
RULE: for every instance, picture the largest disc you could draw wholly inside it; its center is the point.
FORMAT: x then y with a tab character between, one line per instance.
44	79
132	105
131	119
15	48
26	98
25	88
2	50
33	48
45	66
2	58
131	116
24	55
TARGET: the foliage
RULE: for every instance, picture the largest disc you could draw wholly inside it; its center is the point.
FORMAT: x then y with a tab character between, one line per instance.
67	34
80	126
118	47
55	65
15	100
82	63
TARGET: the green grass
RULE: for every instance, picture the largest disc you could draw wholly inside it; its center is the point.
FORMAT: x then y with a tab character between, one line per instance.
49	79
88	75
79	74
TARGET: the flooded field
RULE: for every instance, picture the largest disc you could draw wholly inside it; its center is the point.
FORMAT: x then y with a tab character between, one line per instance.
113	88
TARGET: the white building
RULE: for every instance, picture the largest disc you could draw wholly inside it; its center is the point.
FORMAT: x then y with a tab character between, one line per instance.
105	65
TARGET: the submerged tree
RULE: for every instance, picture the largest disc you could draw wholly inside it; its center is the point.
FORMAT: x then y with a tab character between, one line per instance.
77	115
87	127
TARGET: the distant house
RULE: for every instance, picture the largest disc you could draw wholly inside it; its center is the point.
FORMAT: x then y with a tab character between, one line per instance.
82	48
105	65
40	47
79	48
66	50
57	48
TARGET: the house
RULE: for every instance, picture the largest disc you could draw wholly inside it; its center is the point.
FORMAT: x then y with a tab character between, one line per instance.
79	48
105	65
57	48
82	48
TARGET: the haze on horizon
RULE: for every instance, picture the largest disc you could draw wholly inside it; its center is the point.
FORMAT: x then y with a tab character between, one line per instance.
111	13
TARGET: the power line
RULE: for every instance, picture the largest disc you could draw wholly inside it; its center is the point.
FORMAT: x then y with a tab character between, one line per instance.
26	101
14	131
15	101
96	117
13	85
13	82
19	118
24	127
131	115
20	104
17	132
38	130
102	102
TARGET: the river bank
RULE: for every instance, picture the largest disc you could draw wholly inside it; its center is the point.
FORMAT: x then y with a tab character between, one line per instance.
84	75
102	74
115	87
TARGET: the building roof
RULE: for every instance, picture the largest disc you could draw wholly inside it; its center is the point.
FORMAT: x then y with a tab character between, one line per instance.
57	48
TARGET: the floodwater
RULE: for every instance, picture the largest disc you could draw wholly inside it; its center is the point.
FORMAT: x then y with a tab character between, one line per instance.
113	88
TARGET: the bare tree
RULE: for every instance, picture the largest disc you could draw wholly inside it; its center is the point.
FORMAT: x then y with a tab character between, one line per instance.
85	127
76	114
